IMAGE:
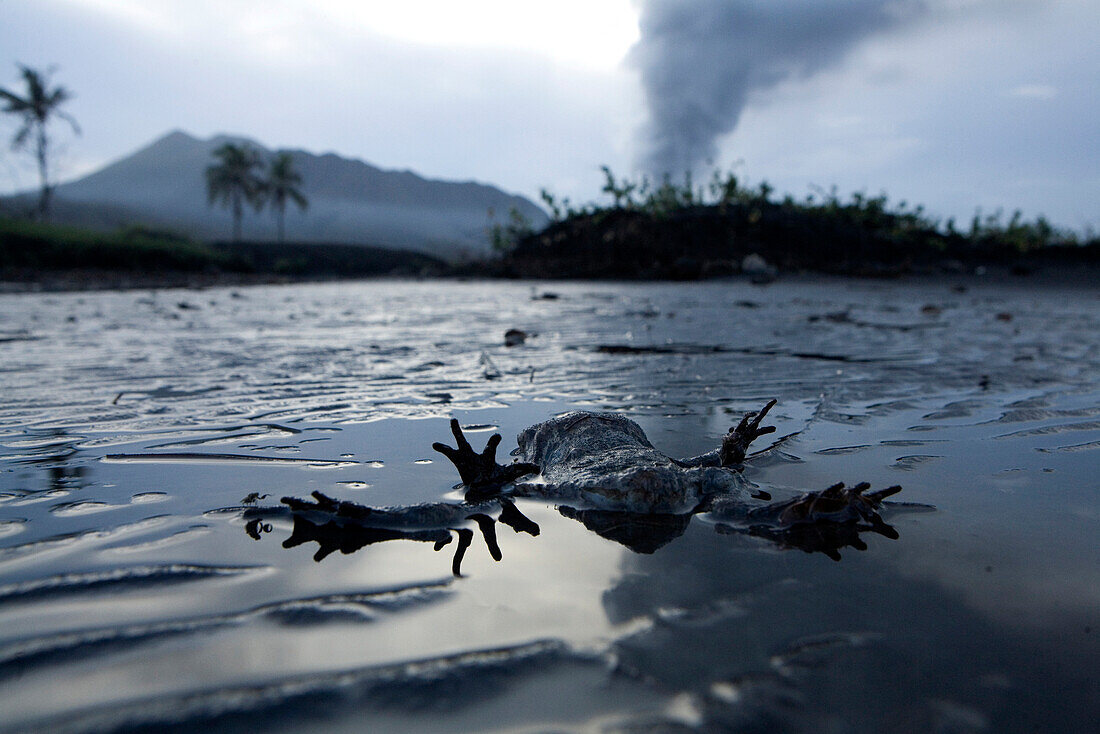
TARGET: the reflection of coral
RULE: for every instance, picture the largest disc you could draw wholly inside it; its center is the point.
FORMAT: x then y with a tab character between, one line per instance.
823	536
640	532
821	522
348	527
335	536
835	504
576	449
256	527
824	521
515	519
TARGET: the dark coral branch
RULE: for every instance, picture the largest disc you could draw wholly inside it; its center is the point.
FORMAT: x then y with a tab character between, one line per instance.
735	444
481	471
833	504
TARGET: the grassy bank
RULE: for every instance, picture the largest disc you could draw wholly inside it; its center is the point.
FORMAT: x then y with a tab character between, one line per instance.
328	260
32	251
26	245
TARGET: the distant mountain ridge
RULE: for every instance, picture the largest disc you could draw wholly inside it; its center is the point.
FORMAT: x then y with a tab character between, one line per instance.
350	201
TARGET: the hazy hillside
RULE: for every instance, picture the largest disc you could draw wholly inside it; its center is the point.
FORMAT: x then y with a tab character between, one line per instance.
350	201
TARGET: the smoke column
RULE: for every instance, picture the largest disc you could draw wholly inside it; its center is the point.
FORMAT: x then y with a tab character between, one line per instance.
700	59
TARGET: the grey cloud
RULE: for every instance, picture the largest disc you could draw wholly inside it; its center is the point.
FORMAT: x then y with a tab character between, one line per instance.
701	59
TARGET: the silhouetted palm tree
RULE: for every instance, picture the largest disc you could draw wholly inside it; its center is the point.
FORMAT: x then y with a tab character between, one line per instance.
282	184
233	181
39	104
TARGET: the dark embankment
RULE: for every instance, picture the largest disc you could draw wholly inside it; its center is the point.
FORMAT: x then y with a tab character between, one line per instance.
704	242
680	232
329	260
70	257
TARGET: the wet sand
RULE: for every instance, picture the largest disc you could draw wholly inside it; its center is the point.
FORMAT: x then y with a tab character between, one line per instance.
134	424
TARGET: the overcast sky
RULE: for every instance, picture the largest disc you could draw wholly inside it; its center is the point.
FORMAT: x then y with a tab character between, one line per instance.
955	104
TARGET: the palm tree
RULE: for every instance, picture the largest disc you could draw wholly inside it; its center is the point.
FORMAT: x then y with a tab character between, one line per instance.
232	181
282	184
37	107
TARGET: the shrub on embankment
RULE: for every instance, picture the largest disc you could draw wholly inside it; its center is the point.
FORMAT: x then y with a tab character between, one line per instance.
682	231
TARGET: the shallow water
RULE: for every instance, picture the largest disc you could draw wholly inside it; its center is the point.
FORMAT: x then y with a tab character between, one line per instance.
134	425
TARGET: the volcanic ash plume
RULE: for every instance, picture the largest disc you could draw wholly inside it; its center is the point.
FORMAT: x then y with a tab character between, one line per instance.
700	60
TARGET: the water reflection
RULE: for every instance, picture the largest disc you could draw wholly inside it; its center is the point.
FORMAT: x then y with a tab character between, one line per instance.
53	450
332	536
349	527
640	532
827	538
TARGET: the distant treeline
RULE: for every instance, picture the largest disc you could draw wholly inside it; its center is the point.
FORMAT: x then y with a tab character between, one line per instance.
28	247
682	230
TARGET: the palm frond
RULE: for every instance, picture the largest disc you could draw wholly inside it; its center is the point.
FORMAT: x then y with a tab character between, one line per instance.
283	180
36	81
233	178
299	199
15	103
20	138
71	120
57	96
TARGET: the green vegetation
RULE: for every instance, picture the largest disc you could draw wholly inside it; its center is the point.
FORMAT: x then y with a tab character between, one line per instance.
234	181
36	108
681	229
650	229
40	246
29	248
504	236
281	185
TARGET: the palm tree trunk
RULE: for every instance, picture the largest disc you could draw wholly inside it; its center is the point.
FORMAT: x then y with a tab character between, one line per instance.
41	143
237	213
280	213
